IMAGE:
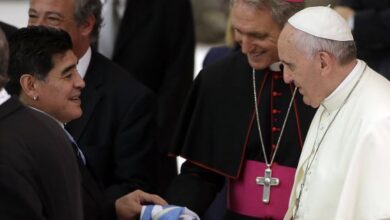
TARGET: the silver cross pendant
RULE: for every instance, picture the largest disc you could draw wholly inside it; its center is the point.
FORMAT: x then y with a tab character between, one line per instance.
267	181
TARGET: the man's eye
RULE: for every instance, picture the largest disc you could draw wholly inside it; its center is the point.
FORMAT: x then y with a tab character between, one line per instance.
32	16
67	76
54	20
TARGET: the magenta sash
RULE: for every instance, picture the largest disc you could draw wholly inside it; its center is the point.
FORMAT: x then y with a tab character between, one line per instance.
245	196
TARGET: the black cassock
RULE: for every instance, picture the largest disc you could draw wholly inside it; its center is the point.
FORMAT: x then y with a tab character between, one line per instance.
217	131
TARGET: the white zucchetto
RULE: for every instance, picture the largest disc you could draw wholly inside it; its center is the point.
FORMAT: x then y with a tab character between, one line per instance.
322	22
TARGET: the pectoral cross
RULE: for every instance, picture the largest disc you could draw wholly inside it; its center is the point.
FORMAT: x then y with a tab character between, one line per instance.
267	181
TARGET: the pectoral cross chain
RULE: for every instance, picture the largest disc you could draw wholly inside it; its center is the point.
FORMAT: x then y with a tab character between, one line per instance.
267	181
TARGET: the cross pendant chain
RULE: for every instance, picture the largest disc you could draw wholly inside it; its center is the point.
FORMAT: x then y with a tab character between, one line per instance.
267	181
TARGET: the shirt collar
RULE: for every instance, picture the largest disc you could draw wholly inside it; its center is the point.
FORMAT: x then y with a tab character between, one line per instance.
4	96
82	65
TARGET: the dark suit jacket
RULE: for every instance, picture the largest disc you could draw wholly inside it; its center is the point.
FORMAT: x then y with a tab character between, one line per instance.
155	42
8	29
39	177
116	129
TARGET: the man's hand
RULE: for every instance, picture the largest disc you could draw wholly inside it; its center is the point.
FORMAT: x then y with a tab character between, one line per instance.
345	12
129	206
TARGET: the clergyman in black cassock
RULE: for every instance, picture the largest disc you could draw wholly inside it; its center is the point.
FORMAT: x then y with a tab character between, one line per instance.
218	132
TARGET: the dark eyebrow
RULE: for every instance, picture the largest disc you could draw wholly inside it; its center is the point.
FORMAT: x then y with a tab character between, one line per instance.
67	69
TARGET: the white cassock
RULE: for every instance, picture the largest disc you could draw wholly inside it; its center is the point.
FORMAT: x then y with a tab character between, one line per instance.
350	176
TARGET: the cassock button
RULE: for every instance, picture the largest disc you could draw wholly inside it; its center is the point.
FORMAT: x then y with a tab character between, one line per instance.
275	111
275	129
275	94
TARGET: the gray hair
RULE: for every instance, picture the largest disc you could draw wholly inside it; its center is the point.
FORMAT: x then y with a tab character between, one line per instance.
343	51
4	56
281	10
85	8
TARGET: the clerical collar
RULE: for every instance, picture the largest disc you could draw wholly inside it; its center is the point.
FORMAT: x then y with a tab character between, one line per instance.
60	123
276	67
4	96
83	63
335	98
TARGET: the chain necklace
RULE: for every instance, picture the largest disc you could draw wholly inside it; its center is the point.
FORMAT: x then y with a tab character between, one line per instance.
310	163
267	181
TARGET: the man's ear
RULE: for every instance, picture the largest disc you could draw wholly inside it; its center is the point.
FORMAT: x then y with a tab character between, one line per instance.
87	27
29	85
326	62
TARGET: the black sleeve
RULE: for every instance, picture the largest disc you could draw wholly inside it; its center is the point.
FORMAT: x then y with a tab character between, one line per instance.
195	188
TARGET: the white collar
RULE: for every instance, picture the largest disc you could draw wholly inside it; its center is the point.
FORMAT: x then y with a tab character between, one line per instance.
4	96
276	66
82	65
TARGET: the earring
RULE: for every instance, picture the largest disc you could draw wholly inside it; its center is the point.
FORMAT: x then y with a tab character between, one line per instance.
35	98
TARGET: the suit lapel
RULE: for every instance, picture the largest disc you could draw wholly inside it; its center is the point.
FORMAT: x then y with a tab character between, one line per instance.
90	96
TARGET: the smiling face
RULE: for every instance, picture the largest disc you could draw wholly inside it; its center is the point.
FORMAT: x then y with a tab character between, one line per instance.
60	14
303	71
257	33
59	93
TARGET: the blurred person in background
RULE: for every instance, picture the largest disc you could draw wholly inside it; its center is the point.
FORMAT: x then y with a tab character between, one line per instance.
155	41
369	21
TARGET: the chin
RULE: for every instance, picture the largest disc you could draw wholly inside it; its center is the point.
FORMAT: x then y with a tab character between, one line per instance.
311	104
259	64
307	102
76	115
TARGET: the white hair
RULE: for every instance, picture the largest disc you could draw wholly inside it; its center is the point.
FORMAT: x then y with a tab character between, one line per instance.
343	51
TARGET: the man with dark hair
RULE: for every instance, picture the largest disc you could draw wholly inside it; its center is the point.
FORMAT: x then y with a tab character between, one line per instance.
43	74
116	130
242	122
39	176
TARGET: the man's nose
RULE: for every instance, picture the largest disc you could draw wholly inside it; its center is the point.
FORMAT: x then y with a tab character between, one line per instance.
246	45
79	82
